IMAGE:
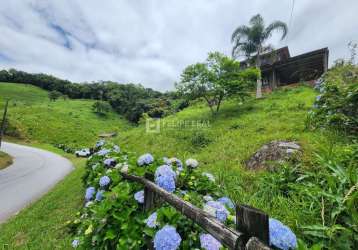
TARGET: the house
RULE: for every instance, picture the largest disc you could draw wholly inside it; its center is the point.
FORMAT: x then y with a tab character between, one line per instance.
278	68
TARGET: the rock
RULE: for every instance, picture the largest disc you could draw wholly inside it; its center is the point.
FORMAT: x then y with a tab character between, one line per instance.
290	145
275	151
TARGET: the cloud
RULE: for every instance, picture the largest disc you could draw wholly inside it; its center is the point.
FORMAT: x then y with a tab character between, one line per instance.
152	41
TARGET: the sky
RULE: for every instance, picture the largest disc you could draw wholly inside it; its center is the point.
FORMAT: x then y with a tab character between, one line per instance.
152	41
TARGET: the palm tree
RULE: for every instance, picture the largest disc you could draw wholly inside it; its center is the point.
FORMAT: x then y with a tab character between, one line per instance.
250	40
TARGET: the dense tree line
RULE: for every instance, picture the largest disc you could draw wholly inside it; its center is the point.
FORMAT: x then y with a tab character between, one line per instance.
96	90
129	100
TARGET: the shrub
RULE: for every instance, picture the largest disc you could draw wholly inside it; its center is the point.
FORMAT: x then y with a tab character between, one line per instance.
337	104
182	105
65	148
117	220
54	95
328	191
113	216
11	129
156	112
101	107
200	139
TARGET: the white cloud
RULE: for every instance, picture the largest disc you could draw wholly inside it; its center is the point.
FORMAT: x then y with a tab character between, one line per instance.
151	41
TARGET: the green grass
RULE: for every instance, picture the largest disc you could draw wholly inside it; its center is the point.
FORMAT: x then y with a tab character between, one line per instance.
231	138
42	225
5	160
34	117
40	122
235	134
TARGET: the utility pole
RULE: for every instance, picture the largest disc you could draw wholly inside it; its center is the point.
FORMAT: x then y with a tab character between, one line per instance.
2	129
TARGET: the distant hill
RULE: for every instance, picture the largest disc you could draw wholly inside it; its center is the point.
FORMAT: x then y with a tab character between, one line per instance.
34	117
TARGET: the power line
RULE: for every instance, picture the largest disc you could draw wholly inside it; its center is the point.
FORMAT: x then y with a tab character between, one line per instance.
291	17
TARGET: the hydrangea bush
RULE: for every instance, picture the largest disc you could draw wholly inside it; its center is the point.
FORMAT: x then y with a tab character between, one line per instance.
113	216
336	105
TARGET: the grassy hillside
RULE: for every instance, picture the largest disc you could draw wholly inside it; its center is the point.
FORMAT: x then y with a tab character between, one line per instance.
221	144
37	118
235	134
228	139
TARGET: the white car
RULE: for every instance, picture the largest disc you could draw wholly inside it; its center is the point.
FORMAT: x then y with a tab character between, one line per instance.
83	152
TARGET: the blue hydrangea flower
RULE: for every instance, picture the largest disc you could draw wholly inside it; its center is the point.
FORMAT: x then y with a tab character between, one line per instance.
176	162
116	149
109	162
208	198
103	152
183	192
227	201
104	181
318	98
145	159
100	143
166	182
166	160
179	165
165	178
139	196
88	203
281	236
192	163
167	238
217	209
99	195
152	220
165	170
208	242
89	193
75	243
209	176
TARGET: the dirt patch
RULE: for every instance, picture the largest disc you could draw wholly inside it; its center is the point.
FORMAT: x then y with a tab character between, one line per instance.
5	160
20	239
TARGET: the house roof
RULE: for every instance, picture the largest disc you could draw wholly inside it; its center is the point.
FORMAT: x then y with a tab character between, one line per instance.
272	57
313	59
306	66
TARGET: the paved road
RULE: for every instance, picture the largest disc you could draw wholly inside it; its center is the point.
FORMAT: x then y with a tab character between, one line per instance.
32	174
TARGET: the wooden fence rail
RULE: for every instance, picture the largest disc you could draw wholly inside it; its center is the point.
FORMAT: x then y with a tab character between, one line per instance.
252	224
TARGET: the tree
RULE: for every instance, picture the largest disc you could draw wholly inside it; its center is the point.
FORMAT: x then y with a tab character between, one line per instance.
101	108
216	79
54	95
250	40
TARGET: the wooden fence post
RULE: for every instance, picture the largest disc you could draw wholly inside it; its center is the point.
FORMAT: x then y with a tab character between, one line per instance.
252	223
150	202
150	198
256	244
2	128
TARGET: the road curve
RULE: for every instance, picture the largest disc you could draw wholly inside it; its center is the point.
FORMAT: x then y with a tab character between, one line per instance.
33	172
